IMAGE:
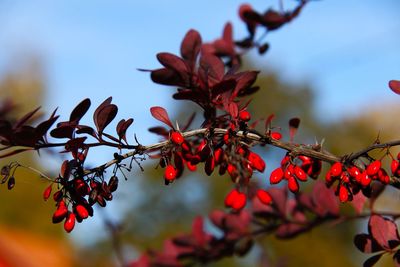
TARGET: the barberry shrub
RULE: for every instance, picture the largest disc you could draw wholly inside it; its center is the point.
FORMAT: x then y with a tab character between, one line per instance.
226	142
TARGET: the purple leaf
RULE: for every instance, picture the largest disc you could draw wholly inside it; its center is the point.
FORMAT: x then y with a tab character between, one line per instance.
372	260
366	244
166	77
104	116
324	199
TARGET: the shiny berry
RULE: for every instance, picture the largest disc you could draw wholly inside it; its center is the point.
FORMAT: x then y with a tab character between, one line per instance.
276	135
239	202
264	196
230	197
177	138
69	223
365	180
276	176
374	167
293	185
336	169
170	173
256	161
300	173
47	192
343	194
244	115
81	211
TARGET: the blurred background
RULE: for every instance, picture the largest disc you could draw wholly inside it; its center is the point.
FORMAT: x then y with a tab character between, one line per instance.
330	67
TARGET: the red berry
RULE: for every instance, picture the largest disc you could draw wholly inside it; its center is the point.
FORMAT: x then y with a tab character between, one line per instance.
232	170
47	192
218	155
343	194
177	138
289	171
239	202
230	197
209	166
374	167
300	173
345	177
191	166
244	115
60	213
256	161
293	185
81	211
170	173
336	169
394	166
69	223
276	135
365	180
354	172
264	196
276	176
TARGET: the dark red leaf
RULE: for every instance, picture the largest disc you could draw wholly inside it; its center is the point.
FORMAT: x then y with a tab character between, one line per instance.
384	231
105	116
65	169
122	127
213	66
324	199
227	34
279	198
80	110
84	129
372	260
100	107
245	80
44	126
358	202
190	46
159	113
222	87
233	109
248	91
366	244
198	231
293	126
166	77
63	131
159	130
25	118
396	258
395	86
189	95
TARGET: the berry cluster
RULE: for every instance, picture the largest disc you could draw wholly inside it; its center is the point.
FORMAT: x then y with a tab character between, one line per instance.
76	196
294	169
352	179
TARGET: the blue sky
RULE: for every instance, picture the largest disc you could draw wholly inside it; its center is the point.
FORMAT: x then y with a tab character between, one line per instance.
347	49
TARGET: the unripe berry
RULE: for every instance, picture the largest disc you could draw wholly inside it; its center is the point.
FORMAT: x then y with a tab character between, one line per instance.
177	138
69	223
170	173
244	115
264	196
374	167
276	176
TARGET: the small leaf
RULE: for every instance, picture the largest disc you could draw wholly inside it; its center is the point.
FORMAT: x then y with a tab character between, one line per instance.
65	169
105	116
366	244
293	126
80	110
372	260
159	113
190	46
395	86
